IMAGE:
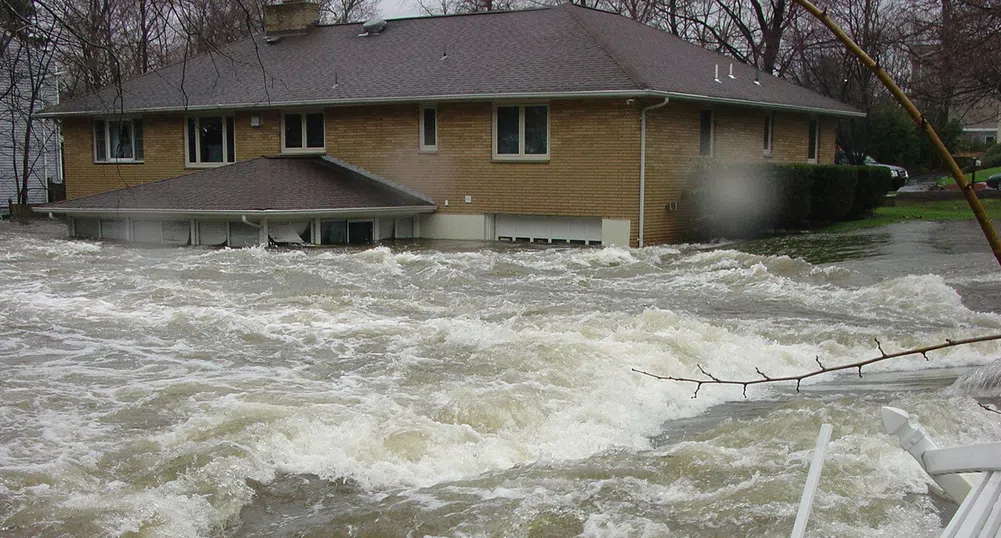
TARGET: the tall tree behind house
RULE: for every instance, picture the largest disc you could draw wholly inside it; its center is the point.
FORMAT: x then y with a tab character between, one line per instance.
28	146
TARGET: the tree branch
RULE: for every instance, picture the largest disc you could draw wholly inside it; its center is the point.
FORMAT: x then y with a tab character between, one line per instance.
713	380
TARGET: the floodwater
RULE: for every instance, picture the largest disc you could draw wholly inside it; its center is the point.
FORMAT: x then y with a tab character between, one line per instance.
441	389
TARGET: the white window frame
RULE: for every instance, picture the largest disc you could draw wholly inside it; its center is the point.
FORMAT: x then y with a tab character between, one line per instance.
304	149
767	151
521	155
107	141
423	148
712	132
188	163
813	158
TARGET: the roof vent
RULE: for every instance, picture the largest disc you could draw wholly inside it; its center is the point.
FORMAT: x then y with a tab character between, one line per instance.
373	27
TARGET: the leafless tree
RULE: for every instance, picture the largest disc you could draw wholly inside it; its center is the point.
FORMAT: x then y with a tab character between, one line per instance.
955	53
27	87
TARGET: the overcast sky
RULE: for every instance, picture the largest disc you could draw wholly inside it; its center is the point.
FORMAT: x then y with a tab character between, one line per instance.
391	9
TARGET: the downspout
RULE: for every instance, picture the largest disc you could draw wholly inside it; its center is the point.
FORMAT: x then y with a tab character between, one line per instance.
262	234
643	165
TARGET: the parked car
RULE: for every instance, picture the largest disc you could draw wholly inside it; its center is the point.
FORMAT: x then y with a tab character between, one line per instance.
898	172
994	181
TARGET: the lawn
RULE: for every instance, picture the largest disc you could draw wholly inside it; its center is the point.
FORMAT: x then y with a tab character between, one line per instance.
940	210
982	176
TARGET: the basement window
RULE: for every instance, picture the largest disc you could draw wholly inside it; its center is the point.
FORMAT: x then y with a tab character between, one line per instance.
813	143
302	132
209	141
429	129
118	141
521	132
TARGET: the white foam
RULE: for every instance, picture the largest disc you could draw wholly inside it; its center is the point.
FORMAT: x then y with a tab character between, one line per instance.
403	370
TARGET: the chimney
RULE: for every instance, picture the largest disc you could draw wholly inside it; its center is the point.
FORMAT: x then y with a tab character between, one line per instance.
290	17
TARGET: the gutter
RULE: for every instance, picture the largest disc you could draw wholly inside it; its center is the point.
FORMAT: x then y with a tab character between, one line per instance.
465	97
242	214
643	165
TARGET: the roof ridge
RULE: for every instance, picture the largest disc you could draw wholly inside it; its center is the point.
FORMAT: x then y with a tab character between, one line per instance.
447	15
628	70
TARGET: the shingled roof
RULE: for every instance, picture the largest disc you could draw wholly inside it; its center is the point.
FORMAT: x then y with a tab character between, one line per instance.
566	51
264	184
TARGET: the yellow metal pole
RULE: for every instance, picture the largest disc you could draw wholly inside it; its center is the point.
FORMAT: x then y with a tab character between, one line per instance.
898	94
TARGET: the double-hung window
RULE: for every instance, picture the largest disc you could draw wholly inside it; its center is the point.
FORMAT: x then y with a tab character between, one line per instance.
521	132
302	132
813	142
210	140
429	129
118	141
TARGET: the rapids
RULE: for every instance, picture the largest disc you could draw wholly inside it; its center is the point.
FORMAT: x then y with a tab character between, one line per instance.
456	389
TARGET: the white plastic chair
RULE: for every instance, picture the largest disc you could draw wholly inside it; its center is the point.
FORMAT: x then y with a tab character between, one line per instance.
979	513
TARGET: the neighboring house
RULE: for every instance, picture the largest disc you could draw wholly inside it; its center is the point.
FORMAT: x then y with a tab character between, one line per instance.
19	86
523	126
982	122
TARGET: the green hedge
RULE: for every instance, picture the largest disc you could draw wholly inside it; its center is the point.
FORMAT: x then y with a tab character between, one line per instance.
746	201
833	193
870	190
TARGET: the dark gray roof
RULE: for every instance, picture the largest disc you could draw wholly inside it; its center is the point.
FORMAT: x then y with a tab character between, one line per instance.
261	184
560	51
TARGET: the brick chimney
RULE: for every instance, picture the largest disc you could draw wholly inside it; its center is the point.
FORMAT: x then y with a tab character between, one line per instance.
290	17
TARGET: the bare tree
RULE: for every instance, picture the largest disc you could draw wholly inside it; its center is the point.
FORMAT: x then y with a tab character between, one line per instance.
955	54
28	86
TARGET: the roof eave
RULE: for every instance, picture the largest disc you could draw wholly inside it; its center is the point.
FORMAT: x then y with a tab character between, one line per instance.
237	214
467	97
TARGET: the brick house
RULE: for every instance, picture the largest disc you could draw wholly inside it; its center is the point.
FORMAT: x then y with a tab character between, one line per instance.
561	124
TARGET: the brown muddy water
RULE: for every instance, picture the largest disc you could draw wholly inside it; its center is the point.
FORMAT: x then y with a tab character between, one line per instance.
455	389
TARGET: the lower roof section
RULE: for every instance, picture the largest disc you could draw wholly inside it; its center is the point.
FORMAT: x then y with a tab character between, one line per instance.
313	186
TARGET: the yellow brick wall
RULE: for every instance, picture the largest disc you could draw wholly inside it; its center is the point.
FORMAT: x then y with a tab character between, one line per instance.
673	153
593	168
163	154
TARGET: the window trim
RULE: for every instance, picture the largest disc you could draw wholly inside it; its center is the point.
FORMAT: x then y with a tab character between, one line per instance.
521	156
712	132
423	148
769	134
304	149
188	163
814	156
107	140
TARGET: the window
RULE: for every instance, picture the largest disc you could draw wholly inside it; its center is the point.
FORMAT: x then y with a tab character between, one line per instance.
768	135
706	133
813	142
210	140
302	132
521	132
118	141
990	140
429	128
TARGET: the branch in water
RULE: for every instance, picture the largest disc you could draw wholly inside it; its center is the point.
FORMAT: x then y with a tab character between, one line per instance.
713	380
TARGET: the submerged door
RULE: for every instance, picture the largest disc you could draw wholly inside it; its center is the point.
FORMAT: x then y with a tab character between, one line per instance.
360	233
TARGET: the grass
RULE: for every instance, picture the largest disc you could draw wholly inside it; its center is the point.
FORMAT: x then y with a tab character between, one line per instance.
939	210
982	176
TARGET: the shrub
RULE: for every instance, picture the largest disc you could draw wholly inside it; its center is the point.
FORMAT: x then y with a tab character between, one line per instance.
870	189
791	185
991	158
832	193
745	201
